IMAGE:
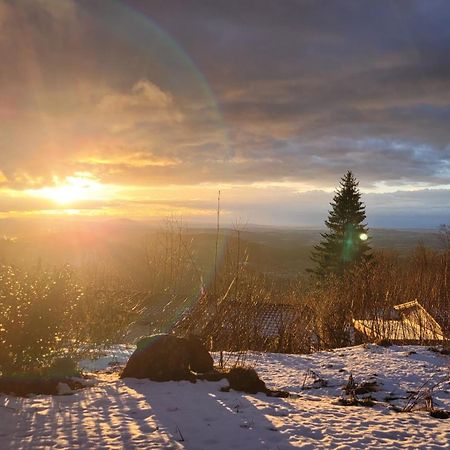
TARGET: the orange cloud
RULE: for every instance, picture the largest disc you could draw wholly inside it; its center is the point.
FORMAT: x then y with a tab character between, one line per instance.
139	159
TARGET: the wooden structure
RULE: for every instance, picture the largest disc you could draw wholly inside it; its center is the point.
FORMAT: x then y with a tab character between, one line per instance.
411	324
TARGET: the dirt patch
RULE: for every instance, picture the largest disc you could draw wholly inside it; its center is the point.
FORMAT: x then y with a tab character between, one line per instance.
440	414
23	386
367	402
61	378
384	342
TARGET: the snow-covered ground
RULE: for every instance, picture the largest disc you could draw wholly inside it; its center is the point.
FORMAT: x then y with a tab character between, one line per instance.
129	414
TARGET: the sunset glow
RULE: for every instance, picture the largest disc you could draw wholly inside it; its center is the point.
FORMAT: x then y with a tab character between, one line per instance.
126	110
71	190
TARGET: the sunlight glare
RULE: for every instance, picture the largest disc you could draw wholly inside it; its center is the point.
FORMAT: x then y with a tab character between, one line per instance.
73	189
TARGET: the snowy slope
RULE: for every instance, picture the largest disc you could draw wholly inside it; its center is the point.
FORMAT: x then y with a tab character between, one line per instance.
179	415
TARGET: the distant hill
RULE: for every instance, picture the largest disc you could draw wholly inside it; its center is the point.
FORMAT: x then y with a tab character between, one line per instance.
121	243
287	252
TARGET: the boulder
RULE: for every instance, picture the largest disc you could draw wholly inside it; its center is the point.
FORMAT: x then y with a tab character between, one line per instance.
164	357
200	360
246	379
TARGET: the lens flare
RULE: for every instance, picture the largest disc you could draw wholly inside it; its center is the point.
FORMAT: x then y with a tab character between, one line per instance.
363	237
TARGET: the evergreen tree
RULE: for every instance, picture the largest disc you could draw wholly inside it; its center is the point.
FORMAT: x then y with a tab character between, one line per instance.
346	241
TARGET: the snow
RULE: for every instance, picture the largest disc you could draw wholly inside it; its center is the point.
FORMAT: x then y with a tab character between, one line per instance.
140	414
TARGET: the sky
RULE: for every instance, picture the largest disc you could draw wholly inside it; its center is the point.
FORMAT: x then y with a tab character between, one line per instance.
145	109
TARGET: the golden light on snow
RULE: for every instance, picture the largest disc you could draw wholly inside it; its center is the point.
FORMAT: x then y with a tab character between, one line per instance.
363	237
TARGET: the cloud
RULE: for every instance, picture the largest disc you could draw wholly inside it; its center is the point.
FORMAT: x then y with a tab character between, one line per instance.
150	94
144	95
318	76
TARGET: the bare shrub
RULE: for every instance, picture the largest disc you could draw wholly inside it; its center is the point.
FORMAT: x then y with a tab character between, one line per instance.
49	314
36	316
102	316
371	290
422	399
246	310
353	391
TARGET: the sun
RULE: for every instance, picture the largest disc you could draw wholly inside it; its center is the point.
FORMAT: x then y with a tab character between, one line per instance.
72	190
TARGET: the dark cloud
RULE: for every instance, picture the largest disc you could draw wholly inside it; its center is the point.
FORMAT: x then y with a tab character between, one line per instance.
309	72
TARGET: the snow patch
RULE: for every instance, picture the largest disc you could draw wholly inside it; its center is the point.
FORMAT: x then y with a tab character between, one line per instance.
140	414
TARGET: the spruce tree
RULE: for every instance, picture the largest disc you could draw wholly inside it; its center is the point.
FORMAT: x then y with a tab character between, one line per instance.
346	241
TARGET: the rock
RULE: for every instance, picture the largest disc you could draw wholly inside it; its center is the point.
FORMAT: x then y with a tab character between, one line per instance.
246	379
200	360
164	357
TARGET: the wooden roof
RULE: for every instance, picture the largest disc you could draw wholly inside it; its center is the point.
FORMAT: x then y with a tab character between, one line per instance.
415	324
